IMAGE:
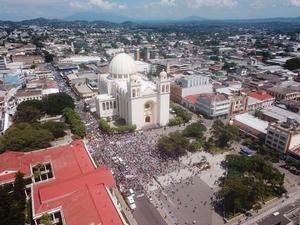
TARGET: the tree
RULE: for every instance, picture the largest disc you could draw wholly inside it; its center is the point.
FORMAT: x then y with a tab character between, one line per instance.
25	137
195	146
249	181
292	64
258	114
12	202
38	104
223	134
19	188
77	126
55	103
195	130
56	128
27	114
46	219
228	66
174	144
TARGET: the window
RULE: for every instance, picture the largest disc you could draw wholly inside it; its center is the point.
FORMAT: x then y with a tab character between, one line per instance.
163	88
103	105
133	93
115	104
111	105
55	217
42	171
147	106
167	88
107	105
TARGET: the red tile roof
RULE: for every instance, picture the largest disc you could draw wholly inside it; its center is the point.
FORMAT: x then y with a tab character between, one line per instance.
262	96
192	99
78	188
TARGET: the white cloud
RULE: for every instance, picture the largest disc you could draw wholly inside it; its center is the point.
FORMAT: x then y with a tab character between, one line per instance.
212	3
102	4
295	2
160	3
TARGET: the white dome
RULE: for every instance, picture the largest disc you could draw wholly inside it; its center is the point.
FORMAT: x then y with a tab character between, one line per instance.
122	66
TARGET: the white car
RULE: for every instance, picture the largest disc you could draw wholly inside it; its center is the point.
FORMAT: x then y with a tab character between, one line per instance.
132	206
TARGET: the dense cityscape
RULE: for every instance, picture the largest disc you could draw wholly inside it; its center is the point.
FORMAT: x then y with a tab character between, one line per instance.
150	123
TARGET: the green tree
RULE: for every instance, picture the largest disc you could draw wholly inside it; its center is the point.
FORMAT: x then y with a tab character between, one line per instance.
174	144
25	137
46	219
28	114
292	64
55	103
195	130
72	118
56	128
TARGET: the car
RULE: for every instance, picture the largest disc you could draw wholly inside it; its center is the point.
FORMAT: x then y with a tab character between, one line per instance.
132	206
276	213
130	199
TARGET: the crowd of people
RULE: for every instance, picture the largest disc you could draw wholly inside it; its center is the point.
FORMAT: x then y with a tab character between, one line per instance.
138	160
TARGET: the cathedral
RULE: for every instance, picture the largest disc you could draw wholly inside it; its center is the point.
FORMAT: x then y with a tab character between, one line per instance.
132	96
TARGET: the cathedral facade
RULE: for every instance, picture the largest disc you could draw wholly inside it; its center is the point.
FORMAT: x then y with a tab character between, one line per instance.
131	96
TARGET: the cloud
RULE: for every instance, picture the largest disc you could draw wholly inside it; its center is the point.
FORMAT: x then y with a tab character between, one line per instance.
213	3
295	2
160	3
102	4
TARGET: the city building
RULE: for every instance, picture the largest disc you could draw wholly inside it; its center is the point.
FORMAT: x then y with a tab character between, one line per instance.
260	100
25	95
77	60
213	105
131	96
250	125
65	183
284	93
278	114
238	99
2	63
190	85
283	136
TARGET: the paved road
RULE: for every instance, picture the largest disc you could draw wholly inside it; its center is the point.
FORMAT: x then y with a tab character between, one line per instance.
273	207
282	211
146	214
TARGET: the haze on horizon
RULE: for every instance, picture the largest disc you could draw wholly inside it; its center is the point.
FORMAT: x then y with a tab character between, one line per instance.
150	10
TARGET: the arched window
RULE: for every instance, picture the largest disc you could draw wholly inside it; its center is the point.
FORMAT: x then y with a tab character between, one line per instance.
163	88
103	105
133	93
111	105
147	106
107	105
148	119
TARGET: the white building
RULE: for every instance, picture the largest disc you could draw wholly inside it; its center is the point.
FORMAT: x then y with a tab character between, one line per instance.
81	60
213	105
129	95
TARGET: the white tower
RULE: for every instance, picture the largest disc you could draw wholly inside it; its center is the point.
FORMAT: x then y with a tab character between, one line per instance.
134	94
163	91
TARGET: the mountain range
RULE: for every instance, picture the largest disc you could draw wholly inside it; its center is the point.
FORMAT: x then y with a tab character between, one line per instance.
107	17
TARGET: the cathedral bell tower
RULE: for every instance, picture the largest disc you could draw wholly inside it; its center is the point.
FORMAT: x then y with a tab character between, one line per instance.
134	94
163	92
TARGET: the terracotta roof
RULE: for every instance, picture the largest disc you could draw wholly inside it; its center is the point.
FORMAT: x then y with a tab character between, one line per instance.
78	188
192	99
24	93
211	97
262	96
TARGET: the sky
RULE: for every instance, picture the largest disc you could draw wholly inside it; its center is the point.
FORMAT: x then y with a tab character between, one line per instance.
151	9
